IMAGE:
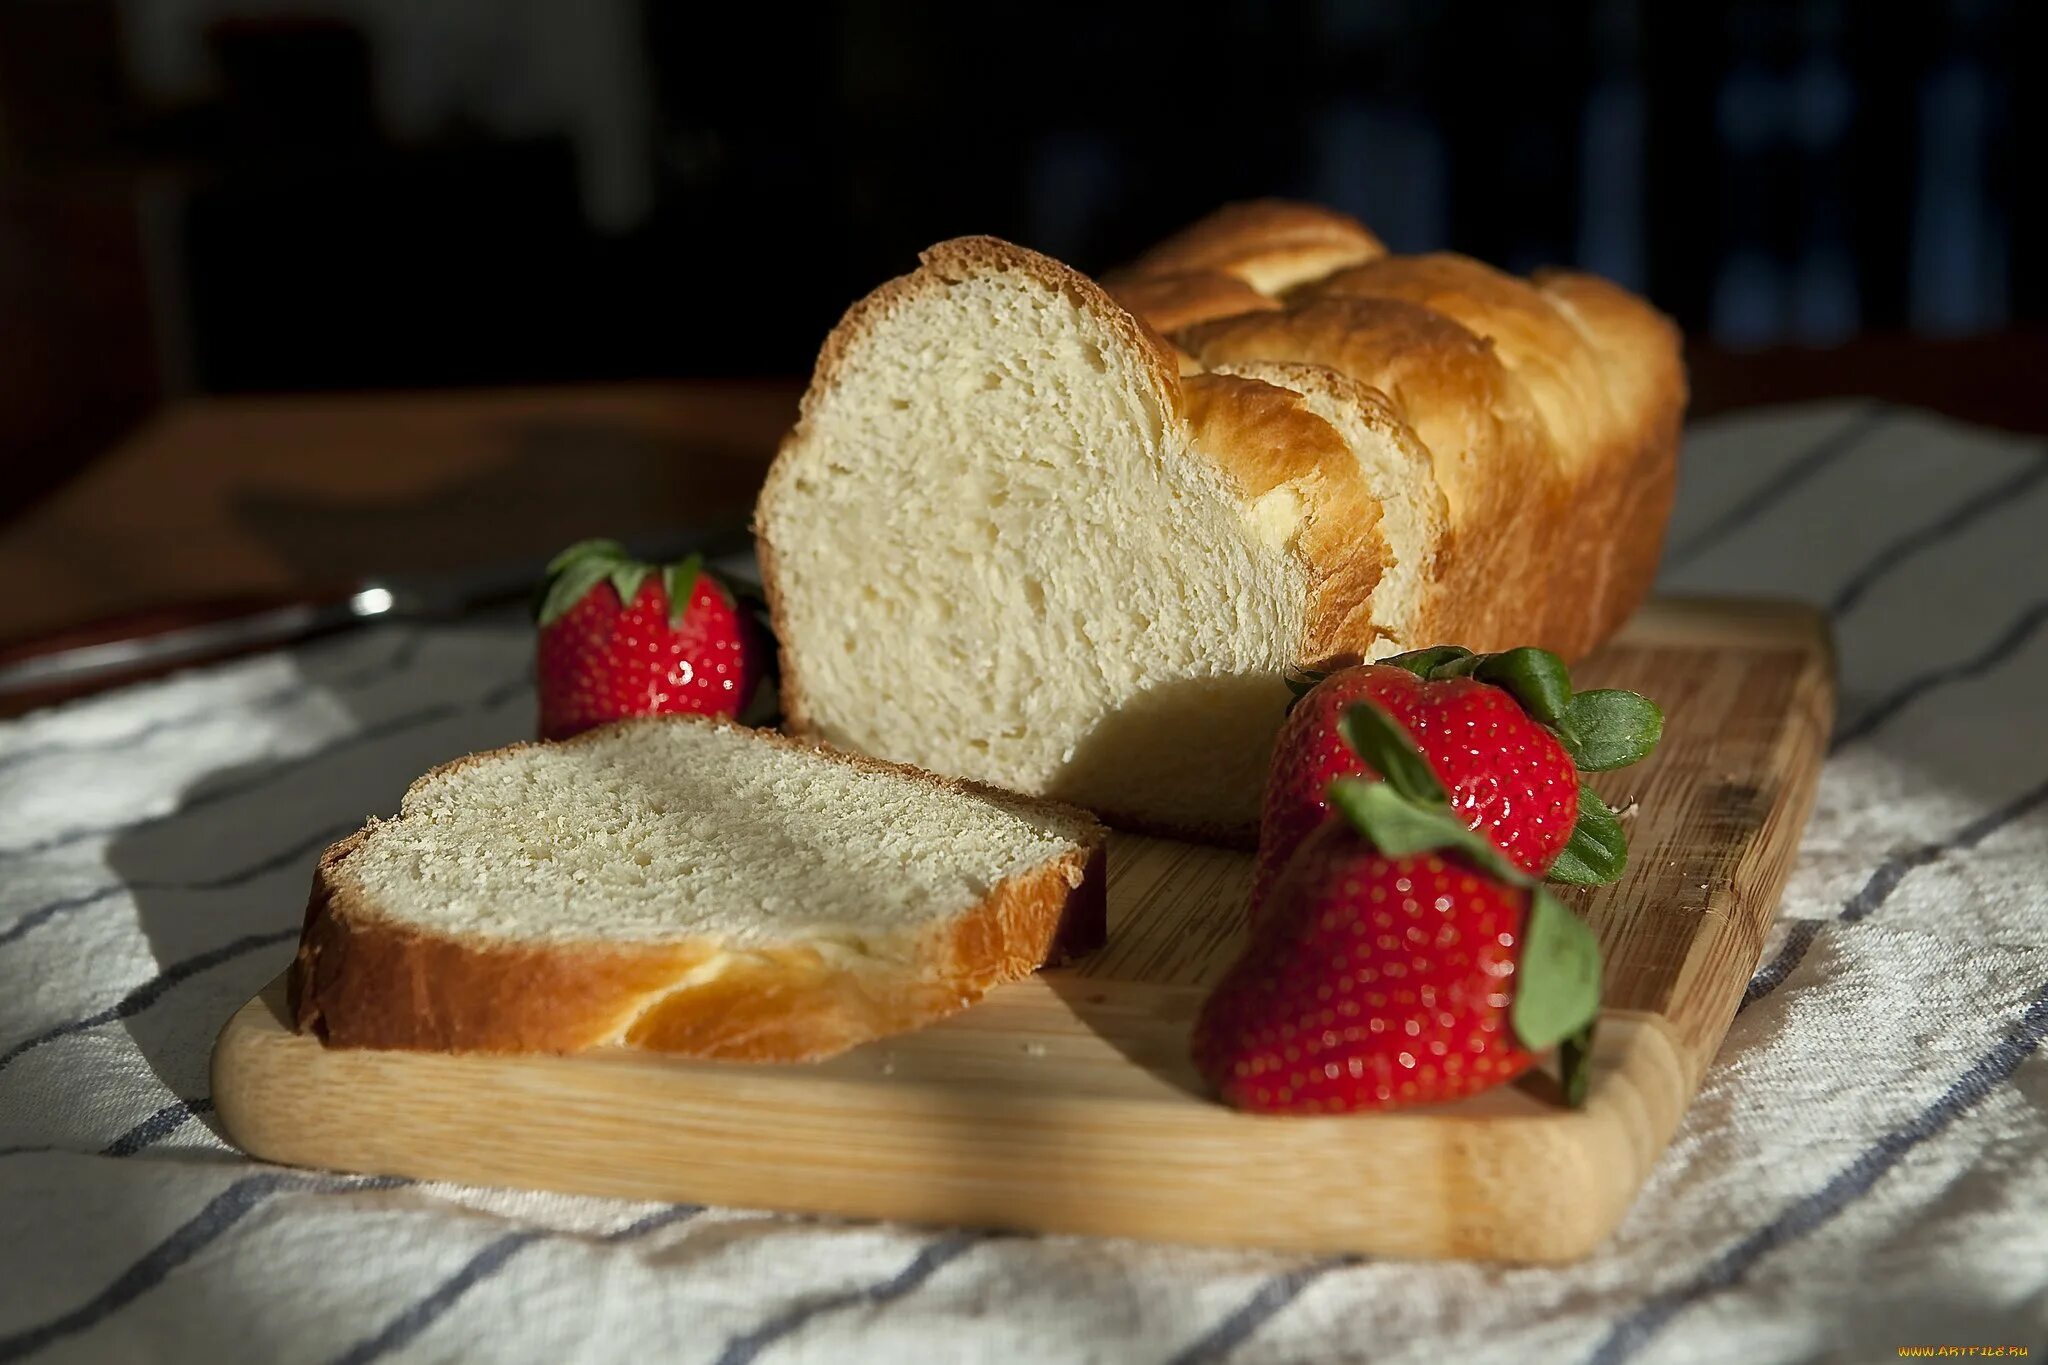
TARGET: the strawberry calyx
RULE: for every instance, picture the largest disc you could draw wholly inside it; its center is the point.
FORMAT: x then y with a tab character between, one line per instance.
572	574
1601	729
1557	972
1300	682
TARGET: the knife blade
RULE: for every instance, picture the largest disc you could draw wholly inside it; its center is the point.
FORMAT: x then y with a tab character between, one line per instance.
135	645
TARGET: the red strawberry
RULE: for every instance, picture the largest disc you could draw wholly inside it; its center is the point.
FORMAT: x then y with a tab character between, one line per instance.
1500	738
621	638
1507	775
1402	961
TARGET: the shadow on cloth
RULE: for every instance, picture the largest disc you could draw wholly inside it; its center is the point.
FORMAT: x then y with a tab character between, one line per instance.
220	884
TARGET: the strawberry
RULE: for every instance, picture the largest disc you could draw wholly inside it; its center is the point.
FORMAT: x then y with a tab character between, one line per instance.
1403	960
1499	738
621	638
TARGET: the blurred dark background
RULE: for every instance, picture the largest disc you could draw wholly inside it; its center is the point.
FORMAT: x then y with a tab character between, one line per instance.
206	196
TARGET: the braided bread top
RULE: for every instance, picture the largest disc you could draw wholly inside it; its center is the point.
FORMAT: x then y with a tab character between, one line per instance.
1549	406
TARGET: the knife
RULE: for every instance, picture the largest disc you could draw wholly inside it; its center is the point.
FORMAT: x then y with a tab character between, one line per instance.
134	645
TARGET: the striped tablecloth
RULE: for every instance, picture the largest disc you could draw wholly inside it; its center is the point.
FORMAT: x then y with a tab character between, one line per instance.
1866	1168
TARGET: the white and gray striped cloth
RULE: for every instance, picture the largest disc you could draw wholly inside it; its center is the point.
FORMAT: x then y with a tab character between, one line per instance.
1865	1169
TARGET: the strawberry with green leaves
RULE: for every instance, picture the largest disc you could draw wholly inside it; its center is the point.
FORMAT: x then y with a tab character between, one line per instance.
1403	960
621	638
1498	739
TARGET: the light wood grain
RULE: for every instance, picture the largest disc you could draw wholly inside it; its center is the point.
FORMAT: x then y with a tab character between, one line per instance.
1068	1103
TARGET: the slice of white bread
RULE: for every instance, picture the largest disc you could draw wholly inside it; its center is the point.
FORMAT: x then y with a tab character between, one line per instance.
1017	536
691	886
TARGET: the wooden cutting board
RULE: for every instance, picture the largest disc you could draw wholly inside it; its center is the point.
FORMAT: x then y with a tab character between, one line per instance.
1067	1103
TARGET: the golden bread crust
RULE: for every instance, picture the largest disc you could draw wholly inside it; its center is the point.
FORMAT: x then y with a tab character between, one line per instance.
360	980
1266	441
1551	408
1270	244
1173	303
1335	639
1540	419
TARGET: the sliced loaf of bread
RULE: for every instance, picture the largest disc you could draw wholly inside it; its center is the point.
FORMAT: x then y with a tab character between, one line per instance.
691	886
1009	540
1019	536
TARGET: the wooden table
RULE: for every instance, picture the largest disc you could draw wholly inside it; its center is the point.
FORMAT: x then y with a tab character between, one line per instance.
225	496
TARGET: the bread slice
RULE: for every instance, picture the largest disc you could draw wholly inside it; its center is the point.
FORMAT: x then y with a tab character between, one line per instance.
691	886
1413	517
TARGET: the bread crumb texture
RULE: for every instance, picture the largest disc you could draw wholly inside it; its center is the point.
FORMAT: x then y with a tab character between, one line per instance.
653	832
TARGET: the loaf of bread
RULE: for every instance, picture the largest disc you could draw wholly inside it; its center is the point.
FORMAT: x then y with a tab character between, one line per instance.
691	886
1071	541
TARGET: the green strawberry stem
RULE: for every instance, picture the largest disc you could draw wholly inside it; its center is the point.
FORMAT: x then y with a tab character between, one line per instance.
575	571
1609	728
1574	1066
679	580
1423	663
1557	979
1387	749
1300	682
1602	729
1536	678
1597	853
